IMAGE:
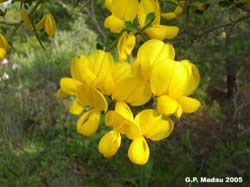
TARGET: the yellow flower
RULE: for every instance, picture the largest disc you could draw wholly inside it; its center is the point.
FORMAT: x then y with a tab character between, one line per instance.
3	42
173	82
156	30
177	12
2	53
125	45
121	11
48	24
147	124
26	19
3	46
134	88
118	120
95	70
151	126
108	4
86	96
91	78
128	87
149	54
110	143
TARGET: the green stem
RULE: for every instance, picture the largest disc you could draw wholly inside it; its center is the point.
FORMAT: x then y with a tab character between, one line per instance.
145	174
37	36
144	28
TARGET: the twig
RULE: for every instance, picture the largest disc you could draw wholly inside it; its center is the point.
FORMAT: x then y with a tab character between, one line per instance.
37	36
91	14
8	23
84	5
144	28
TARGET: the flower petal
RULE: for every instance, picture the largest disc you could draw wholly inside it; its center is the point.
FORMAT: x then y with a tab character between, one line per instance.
138	152
109	144
132	90
141	95
78	65
122	125
188	104
161	130
69	86
179	10
101	64
167	105
147	119
125	9
152	52
161	77
179	82
162	32
75	107
2	53
98	101
3	42
50	24
26	19
41	23
169	15
124	110
194	76
114	23
146	7
122	120
121	71
89	96
125	45
108	4
88	123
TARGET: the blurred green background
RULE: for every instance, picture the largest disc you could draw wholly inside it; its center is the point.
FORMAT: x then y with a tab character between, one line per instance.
39	145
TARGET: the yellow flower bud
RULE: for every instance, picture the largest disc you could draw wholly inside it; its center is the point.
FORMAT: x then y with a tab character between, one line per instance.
3	42
26	19
125	45
48	24
2	53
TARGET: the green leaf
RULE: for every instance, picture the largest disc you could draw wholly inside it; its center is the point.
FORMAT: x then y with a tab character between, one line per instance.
130	26
150	18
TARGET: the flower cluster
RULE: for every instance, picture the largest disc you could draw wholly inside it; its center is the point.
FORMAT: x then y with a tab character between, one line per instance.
101	85
128	10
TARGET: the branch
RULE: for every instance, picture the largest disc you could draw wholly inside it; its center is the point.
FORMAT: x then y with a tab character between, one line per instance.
218	27
91	14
